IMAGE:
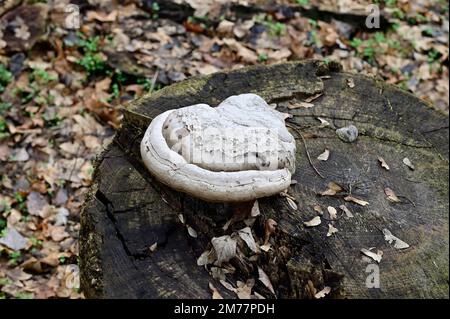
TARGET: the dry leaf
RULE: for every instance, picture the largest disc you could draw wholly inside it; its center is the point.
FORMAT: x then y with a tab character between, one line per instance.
323	122
247	236
244	290
291	203
35	203
332	189
324	156
377	257
207	257
332	211
255	209
153	247
192	232
269	229
227	286
356	200
351	83
331	230
313	222
391	195
265	280
265	247
398	243
383	163
13	239
325	291
347	212
408	163
215	292
318	209
225	248
181	218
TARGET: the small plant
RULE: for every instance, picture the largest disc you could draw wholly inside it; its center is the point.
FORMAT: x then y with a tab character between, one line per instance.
5	77
35	242
303	2
42	76
262	57
4	107
21	202
155	10
91	61
14	257
24	295
274	28
433	56
3	129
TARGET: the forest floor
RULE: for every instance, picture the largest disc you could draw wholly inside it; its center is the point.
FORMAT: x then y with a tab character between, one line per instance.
62	79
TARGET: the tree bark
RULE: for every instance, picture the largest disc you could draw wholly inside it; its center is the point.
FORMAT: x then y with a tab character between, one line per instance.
127	210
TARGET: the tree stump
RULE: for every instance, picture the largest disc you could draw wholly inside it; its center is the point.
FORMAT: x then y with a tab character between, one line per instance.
127	210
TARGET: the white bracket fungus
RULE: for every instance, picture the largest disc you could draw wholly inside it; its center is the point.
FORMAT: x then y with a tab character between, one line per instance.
238	151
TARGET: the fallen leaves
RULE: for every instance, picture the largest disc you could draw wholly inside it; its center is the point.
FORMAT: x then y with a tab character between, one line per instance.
269	229
316	221
398	243
331	230
356	200
246	235
332	190
265	280
13	239
321	294
383	163
324	156
332	212
375	256
225	248
408	163
391	195
350	83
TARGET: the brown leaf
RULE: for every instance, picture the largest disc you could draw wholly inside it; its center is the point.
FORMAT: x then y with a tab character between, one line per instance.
269	229
215	292
383	163
313	222
356	200
391	195
332	190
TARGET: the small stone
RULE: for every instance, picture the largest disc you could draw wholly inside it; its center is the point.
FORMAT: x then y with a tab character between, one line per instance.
348	134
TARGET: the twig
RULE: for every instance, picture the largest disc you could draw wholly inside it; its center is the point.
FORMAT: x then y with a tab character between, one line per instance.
306	148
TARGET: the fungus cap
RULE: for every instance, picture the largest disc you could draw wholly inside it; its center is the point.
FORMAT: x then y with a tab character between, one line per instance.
237	151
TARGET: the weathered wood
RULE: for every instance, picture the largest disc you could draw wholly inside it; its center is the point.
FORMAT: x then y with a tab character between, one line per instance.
127	210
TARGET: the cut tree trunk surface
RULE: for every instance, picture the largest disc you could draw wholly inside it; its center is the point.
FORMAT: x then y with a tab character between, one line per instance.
127	210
